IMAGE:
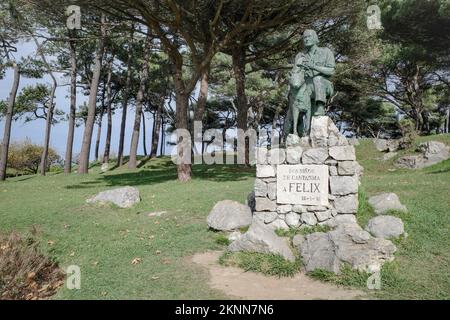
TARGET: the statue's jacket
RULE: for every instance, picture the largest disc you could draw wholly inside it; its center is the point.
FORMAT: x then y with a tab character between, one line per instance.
306	84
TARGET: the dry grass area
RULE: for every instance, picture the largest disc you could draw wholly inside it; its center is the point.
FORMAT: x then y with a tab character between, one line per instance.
26	273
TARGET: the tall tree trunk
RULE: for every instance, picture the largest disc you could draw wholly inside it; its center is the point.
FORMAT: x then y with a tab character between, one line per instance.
163	137
184	167
447	127
73	107
201	105
132	164
108	111
238	58
157	129
99	133
8	122
48	127
144	134
126	97
87	137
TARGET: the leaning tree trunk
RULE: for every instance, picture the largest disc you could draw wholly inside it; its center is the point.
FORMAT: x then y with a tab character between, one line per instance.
238	57
73	108
48	127
87	137
132	164
156	130
8	122
109	112
126	97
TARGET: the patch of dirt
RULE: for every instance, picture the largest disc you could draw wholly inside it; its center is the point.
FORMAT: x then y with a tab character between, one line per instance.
254	286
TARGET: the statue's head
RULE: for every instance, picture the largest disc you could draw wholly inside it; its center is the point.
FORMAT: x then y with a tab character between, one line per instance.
310	38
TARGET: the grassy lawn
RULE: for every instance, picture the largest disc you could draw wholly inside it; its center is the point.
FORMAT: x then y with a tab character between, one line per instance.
103	241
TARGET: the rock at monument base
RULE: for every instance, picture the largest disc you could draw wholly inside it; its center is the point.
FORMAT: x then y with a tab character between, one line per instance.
235	235
347	204
386	227
344	185
315	156
348	243
292	140
294	155
265	171
105	167
229	215
343	153
260	238
260	188
266	217
386	202
318	253
341	219
277	156
293	219
265	204
125	197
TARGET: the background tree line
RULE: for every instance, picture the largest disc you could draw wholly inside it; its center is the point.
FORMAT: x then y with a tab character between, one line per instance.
222	62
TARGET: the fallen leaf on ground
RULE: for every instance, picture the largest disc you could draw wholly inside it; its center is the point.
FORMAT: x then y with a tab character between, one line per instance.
157	214
136	261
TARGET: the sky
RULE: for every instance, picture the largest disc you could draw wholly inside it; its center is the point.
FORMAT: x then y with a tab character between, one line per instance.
35	130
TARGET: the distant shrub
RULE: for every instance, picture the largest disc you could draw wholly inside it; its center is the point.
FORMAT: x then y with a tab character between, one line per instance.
25	157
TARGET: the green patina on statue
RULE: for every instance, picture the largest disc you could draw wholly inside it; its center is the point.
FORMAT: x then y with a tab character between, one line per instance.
310	85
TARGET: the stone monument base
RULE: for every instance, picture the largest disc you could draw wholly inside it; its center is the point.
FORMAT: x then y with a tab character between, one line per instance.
310	181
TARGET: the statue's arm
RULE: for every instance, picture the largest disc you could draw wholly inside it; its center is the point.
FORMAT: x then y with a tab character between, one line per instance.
330	66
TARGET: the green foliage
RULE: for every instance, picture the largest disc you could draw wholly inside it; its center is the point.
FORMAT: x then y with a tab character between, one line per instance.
223	240
25	157
365	210
32	103
348	277
268	264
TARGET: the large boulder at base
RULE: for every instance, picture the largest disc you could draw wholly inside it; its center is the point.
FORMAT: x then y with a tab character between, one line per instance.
261	238
348	243
123	197
386	202
229	215
386	227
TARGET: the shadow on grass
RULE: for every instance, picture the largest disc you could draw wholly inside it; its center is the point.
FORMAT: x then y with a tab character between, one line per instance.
162	170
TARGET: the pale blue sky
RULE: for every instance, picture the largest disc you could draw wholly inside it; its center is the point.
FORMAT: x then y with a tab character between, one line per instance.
35	129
